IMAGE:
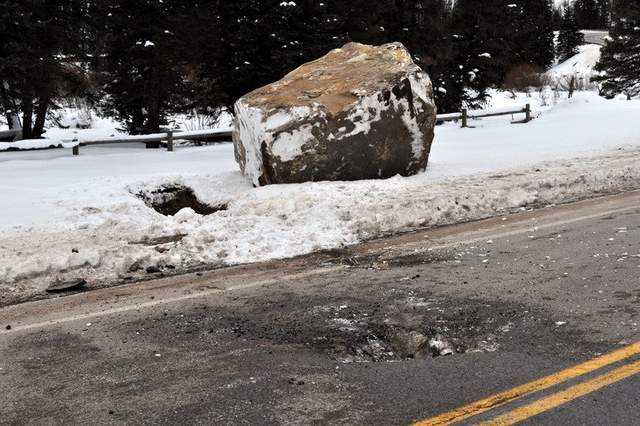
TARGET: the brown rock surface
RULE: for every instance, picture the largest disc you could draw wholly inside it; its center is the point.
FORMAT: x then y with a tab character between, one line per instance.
360	112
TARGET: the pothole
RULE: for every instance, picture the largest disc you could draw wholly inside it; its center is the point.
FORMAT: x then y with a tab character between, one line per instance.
170	199
400	328
382	343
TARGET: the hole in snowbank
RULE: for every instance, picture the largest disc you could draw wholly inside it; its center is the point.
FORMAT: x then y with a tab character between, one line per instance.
170	199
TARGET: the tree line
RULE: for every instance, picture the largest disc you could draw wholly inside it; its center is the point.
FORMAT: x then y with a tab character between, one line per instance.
588	14
143	60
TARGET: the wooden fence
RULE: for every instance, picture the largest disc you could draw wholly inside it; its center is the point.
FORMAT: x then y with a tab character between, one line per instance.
221	135
464	116
9	135
225	134
155	139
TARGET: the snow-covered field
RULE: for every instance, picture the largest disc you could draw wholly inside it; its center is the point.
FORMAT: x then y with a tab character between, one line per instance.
66	216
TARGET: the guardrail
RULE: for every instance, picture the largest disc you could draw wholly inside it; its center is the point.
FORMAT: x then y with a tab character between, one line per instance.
464	116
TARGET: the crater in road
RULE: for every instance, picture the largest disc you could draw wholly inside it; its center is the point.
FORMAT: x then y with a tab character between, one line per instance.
386	324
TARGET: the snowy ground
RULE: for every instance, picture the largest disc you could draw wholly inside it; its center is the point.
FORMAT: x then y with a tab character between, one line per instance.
580	66
68	216
82	124
582	63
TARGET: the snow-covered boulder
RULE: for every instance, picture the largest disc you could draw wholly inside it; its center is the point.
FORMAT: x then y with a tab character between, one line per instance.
360	112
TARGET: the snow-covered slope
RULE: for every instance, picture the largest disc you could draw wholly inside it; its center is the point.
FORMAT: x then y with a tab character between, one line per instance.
581	65
79	216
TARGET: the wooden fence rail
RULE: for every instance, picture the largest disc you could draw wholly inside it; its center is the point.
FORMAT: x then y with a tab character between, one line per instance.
221	135
9	135
464	116
170	137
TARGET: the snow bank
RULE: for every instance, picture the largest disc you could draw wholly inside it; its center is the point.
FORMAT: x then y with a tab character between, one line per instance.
80	216
36	144
70	138
67	138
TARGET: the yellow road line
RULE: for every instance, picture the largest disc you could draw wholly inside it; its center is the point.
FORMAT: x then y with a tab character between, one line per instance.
502	398
555	400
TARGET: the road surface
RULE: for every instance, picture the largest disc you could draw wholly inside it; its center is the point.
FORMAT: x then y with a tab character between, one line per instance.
595	37
526	318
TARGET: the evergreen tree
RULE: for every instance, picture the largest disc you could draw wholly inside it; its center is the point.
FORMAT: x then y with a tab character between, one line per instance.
42	56
493	37
533	42
557	17
603	12
570	36
263	40
482	34
153	58
591	14
301	31
423	27
587	14
140	61
253	43
619	65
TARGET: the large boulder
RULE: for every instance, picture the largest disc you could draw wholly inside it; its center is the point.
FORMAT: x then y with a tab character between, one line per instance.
360	112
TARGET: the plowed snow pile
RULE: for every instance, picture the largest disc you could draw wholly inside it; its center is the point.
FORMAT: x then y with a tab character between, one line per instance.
90	216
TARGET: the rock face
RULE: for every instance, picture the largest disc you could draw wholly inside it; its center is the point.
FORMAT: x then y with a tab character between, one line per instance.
360	112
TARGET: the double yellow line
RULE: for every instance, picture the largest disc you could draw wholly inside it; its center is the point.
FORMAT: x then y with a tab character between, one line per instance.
551	401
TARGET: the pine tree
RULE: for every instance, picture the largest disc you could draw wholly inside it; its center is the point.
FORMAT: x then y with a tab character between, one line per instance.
587	14
263	40
426	33
619	65
591	14
244	45
570	36
482	33
139	62
603	13
153	58
557	17
533	42
493	37
301	31
42	57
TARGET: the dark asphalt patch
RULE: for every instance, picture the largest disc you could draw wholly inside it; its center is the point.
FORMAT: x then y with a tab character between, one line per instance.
383	324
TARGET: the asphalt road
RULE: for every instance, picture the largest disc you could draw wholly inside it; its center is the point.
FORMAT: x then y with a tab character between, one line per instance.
391	332
595	37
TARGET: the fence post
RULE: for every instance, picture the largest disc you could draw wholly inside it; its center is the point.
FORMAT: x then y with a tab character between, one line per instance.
76	150
170	140
465	117
527	111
